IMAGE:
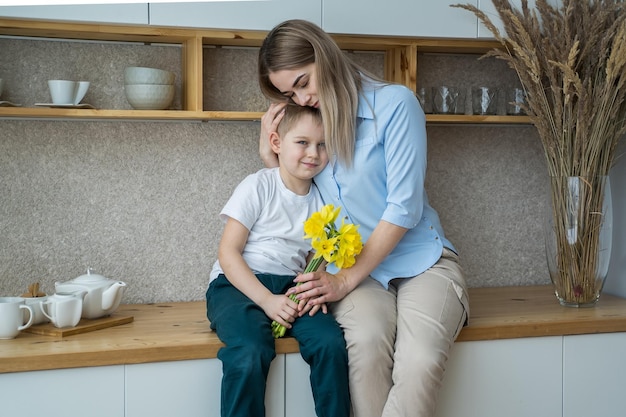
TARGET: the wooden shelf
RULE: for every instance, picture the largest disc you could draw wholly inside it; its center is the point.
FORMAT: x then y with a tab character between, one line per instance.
400	65
473	119
91	114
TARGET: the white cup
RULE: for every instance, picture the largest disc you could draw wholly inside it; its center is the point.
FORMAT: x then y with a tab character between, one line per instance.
67	92
63	310
11	316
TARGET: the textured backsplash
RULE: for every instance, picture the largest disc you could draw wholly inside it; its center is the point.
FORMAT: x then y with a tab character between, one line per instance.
138	201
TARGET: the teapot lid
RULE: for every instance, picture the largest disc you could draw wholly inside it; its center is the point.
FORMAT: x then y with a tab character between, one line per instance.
90	276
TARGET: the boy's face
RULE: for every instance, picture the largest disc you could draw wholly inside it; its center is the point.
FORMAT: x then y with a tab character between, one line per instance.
301	151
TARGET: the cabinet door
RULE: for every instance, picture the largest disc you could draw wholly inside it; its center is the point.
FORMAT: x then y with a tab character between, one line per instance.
93	392
495	378
251	15
488	8
190	388
593	375
426	18
136	13
298	395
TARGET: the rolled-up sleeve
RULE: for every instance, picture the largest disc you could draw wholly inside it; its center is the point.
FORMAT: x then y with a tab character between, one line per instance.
405	159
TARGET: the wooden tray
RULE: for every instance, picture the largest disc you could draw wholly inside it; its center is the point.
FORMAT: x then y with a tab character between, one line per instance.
84	326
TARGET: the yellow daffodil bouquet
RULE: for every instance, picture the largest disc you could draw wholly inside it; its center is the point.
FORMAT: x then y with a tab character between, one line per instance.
330	244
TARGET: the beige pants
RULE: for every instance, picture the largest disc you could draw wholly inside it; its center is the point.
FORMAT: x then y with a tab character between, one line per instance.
398	339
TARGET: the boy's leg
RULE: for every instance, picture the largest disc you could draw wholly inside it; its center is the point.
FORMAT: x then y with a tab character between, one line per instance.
245	330
323	347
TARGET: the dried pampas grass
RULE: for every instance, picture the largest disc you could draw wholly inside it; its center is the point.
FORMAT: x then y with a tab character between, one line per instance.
571	62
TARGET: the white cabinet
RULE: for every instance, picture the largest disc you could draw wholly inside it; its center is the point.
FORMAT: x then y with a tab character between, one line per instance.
93	392
134	13
594	367
554	376
425	18
190	388
511	377
298	395
488	8
250	15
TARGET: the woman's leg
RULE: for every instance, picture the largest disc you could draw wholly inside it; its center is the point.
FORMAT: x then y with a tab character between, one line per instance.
323	347
368	318
430	316
245	330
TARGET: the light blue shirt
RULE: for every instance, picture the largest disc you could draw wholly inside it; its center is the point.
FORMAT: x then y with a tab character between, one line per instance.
386	181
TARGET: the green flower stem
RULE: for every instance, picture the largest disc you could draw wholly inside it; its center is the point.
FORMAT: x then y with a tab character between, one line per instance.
278	330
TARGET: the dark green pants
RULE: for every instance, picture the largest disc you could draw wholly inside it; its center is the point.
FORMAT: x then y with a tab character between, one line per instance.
245	330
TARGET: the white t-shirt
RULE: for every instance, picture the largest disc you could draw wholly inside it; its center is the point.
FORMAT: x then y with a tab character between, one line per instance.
275	217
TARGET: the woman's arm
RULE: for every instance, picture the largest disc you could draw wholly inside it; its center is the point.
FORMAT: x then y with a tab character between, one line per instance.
232	244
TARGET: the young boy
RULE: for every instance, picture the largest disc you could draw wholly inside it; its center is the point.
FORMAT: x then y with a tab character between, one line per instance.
261	251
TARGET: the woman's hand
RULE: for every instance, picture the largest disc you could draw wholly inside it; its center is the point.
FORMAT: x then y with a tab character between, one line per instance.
305	307
269	123
319	288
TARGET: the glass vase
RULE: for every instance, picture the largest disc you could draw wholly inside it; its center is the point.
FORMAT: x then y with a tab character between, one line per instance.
578	233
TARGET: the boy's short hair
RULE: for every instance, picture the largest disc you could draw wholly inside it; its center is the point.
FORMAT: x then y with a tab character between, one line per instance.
293	113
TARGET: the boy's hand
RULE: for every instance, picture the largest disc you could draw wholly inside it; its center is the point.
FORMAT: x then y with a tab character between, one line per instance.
281	309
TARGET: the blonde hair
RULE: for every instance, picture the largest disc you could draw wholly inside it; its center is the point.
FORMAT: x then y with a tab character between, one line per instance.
293	114
296	43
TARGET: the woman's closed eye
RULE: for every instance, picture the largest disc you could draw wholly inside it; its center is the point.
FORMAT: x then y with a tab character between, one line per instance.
300	86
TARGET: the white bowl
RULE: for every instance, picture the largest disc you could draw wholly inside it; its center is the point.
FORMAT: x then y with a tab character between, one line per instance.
149	96
144	75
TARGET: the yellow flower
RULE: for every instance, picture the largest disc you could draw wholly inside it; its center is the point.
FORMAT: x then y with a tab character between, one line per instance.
325	248
350	237
316	226
329	213
340	246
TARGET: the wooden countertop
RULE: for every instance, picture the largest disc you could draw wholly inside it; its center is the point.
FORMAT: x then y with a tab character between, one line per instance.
180	331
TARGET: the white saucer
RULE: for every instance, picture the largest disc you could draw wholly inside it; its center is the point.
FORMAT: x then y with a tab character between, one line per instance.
9	104
66	106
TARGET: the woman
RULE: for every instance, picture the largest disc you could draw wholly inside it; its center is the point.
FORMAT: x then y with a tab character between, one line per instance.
403	303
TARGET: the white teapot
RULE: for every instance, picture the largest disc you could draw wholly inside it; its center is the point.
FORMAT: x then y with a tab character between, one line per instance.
102	297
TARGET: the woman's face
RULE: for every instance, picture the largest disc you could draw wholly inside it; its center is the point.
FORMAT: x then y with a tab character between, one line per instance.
298	84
